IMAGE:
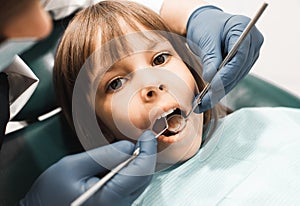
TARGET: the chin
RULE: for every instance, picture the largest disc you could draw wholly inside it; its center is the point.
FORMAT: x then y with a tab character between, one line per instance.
172	156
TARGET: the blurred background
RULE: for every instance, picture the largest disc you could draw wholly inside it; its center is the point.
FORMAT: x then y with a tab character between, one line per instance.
279	58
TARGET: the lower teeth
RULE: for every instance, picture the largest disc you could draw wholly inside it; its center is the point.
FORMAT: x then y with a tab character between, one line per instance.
168	133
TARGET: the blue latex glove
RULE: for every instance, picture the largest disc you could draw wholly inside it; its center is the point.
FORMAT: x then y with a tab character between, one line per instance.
66	180
211	33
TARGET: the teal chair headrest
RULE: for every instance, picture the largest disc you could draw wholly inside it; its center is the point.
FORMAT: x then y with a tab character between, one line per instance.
256	92
40	58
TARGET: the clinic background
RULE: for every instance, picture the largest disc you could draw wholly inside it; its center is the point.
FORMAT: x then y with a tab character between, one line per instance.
279	58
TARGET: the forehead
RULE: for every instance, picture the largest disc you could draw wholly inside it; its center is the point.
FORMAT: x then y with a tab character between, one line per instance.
131	43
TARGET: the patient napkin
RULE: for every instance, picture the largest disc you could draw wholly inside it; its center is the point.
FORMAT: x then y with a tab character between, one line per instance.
253	158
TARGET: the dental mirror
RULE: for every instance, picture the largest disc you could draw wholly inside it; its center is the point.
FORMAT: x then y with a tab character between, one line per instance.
177	122
160	126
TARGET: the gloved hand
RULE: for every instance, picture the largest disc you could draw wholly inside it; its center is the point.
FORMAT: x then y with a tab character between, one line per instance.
211	34
66	180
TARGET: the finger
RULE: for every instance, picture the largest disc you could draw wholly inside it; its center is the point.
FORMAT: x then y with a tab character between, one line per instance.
148	144
256	42
204	105
243	60
90	182
252	57
144	163
226	78
257	39
234	70
210	67
208	49
215	93
99	160
211	57
139	171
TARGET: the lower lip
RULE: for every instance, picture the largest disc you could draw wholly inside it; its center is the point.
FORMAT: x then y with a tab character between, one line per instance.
172	139
165	139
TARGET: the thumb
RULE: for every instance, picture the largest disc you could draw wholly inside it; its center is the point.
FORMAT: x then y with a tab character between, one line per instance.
137	173
210	64
205	104
148	144
144	163
210	99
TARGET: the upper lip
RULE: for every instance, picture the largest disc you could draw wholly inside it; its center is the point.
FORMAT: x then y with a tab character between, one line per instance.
169	109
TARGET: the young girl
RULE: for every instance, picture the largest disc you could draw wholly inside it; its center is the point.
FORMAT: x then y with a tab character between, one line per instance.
118	68
134	78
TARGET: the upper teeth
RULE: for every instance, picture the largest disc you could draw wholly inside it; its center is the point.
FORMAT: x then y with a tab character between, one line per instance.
166	113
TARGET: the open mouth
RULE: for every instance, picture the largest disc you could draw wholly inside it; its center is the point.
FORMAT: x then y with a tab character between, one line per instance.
175	121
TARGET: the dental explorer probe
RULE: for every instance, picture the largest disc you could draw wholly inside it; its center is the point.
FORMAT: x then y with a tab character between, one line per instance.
86	195
198	99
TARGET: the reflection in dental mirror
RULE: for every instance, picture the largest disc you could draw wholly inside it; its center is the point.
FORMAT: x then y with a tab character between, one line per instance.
176	123
170	124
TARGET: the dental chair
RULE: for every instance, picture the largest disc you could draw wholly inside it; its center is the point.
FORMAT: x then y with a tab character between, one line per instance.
26	153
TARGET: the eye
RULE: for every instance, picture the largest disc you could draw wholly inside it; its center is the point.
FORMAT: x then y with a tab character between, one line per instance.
161	58
116	84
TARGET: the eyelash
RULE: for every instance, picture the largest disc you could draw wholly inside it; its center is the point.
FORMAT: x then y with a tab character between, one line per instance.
167	54
123	80
110	88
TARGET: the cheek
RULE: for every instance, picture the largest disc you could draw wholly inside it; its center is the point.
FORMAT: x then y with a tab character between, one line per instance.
189	79
138	113
182	71
104	110
121	114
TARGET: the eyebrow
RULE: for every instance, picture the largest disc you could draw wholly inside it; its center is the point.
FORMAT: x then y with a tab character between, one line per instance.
159	45
152	46
151	43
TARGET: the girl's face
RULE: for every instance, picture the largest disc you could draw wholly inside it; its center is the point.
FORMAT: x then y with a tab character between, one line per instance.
144	86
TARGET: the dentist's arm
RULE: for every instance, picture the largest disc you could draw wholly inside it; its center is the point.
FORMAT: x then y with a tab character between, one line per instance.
66	180
211	33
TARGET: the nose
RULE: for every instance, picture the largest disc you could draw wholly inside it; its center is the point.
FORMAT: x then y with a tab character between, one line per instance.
151	93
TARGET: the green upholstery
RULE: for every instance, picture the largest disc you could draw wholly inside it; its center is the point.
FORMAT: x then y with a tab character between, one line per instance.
25	154
40	58
28	152
256	92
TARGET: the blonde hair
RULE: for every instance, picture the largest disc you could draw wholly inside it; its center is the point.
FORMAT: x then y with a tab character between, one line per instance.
81	39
